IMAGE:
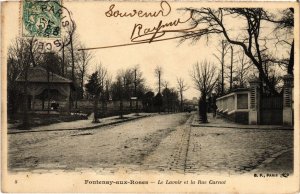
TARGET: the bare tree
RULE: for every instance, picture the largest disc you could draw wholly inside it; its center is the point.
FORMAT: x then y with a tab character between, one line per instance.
181	87
242	70
170	98
96	86
122	89
65	41
284	25
165	84
218	85
223	51
212	22
158	72
106	95
231	69
84	57
204	79
72	37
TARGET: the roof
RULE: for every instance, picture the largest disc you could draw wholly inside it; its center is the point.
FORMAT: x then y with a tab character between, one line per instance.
240	90
39	74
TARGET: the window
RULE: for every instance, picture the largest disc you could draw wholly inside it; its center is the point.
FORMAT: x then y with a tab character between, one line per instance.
242	101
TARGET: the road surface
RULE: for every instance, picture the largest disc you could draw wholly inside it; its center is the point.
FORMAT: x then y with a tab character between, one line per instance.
164	143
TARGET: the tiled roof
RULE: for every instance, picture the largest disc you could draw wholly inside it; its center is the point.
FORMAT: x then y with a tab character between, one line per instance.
39	74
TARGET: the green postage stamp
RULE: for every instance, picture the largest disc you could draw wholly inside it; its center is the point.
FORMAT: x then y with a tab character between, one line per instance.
41	18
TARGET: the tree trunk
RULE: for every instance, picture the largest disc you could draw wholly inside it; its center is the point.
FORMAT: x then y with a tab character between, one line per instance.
290	69
25	124
159	83
73	68
203	109
121	108
222	68
121	99
72	58
82	87
48	89
231	66
181	101
135	93
63	61
96	100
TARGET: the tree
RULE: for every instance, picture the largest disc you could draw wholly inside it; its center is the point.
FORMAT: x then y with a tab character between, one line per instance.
148	101
21	55
218	86
170	99
166	94
158	101
72	38
231	70
212	23
284	25
65	41
120	88
204	79
242	71
95	88
83	59
14	68
158	72
181	87
158	98
223	51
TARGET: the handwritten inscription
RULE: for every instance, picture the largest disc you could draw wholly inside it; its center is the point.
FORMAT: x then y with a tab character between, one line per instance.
142	34
165	10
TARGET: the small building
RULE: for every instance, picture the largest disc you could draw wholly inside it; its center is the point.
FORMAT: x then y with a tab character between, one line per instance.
251	106
43	86
235	106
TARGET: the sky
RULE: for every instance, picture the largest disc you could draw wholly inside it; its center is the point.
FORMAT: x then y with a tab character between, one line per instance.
96	30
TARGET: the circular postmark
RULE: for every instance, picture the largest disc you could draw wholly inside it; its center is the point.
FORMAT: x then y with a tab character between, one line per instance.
48	22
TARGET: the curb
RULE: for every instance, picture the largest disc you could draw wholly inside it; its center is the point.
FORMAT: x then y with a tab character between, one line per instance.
83	128
243	127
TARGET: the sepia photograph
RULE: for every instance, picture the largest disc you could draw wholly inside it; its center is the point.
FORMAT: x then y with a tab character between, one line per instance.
106	96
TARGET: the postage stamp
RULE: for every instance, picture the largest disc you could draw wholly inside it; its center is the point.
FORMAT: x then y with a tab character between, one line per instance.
42	18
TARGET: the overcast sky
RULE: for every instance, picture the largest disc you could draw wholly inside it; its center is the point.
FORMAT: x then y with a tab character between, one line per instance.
95	29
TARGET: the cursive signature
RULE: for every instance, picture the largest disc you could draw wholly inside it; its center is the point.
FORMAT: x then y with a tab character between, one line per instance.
141	34
165	10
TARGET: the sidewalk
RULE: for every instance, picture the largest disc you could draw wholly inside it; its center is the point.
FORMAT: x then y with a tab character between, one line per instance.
220	122
279	162
82	124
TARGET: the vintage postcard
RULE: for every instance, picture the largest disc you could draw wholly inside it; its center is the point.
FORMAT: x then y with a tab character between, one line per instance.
150	96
